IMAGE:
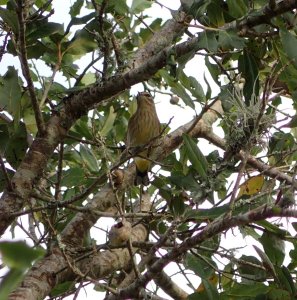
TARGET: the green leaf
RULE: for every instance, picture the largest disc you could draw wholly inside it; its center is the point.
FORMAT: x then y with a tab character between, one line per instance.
214	70
248	270
248	67
10	281
180	92
9	17
289	42
215	13
177	88
81	127
161	227
146	33
41	4
181	180
209	89
4	137
195	156
229	40
19	255
17	144
207	214
76	7
289	279
207	290
118	6
196	8
192	85
11	93
240	291
139	5
266	261
83	20
73	177
30	121
202	267
108	125
80	46
88	79
274	248
177	206
196	89
272	228
47	29
279	294
285	279
62	288
89	158
208	41
237	8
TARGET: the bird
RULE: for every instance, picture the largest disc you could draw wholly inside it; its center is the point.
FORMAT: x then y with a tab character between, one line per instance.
119	233
143	127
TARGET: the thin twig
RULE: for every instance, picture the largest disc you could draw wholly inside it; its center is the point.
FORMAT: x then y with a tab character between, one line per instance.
59	172
134	265
103	35
237	182
80	77
22	52
51	81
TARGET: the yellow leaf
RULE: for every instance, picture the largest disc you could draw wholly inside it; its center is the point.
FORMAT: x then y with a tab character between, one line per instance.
213	280
252	186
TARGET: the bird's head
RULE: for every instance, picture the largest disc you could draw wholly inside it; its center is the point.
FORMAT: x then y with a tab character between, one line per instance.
144	99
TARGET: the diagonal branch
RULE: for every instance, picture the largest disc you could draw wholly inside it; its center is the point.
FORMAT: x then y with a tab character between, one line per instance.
212	229
170	287
72	108
76	105
37	157
263	16
73	233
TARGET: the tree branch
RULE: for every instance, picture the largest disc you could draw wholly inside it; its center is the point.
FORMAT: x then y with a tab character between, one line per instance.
22	17
170	287
76	105
264	15
72	108
215	227
72	235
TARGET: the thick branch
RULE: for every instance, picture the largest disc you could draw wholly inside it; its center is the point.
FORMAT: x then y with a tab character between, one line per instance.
252	161
169	287
48	272
77	105
268	13
72	108
212	229
105	198
263	16
36	159
73	233
161	39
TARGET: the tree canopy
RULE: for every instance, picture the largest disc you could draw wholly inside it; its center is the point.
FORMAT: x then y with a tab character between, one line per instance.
65	167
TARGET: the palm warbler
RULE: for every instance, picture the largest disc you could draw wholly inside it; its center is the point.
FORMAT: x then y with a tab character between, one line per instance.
143	126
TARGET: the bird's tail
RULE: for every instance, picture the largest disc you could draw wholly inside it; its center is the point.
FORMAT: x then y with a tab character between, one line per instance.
141	177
